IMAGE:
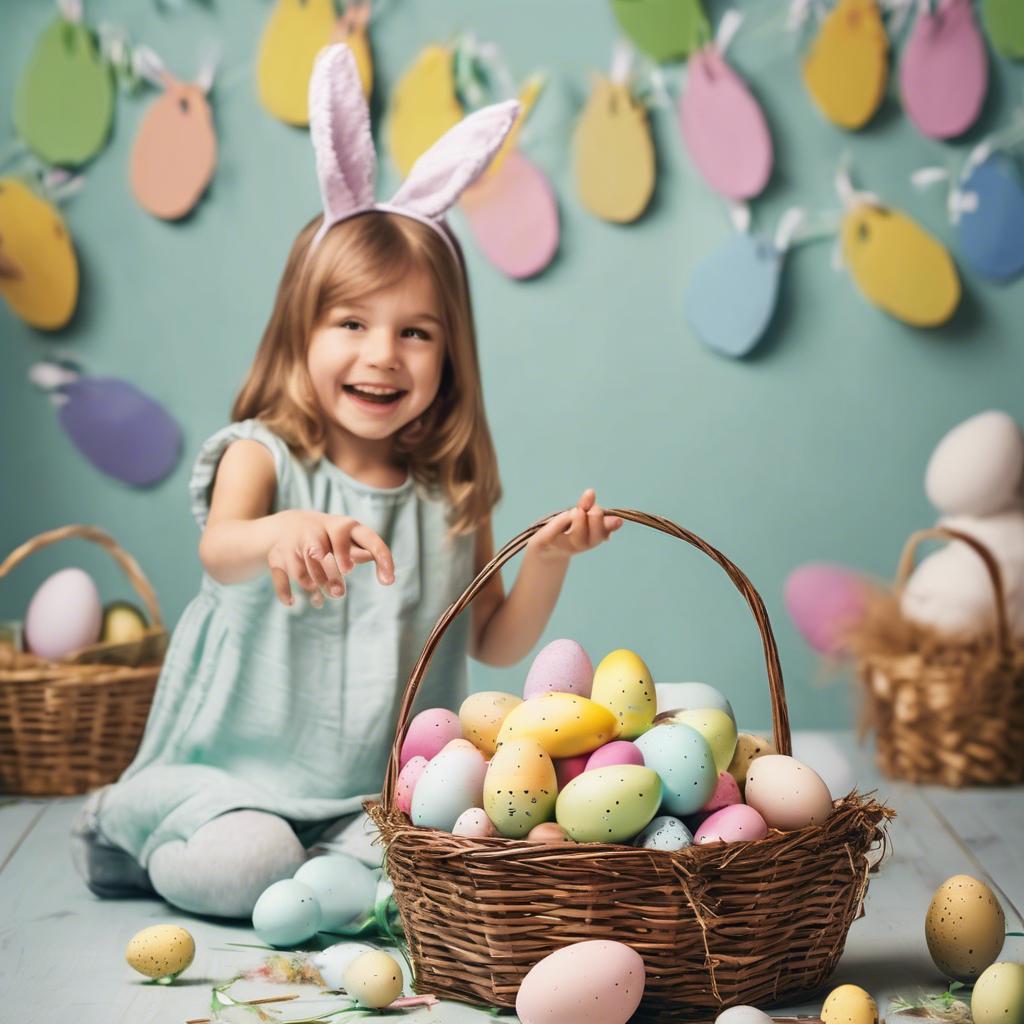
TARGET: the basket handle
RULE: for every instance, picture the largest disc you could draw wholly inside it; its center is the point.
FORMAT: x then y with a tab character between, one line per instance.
906	566
780	713
128	565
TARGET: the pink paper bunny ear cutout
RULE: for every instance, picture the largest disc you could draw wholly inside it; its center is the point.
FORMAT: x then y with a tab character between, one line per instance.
346	161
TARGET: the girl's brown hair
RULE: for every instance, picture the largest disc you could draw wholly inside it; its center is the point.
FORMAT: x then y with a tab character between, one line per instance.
449	446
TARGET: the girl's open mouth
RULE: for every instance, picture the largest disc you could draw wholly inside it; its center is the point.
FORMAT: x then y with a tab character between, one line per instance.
374	395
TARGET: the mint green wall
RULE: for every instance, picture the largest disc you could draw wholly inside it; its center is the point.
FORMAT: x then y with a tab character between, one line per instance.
814	448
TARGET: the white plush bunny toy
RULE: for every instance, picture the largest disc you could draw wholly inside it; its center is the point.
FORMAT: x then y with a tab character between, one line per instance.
974	479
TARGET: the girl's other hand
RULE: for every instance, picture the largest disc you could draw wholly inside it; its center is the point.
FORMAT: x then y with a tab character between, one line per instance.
578	529
317	551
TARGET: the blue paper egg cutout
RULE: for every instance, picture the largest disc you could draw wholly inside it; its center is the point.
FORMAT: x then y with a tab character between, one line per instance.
992	235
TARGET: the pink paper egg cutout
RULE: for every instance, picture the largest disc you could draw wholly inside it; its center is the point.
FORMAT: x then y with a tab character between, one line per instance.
735	824
562	666
567	768
724	128
63	615
513	215
406	784
944	71
616	752
727	793
474	824
823	600
429	733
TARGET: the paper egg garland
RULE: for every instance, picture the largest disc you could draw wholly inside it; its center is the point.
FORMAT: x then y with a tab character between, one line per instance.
991	225
1004	22
351	29
663	29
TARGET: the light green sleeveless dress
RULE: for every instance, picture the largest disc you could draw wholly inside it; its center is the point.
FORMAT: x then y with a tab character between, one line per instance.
292	710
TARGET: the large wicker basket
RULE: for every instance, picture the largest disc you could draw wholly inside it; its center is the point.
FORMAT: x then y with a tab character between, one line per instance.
946	710
717	925
67	726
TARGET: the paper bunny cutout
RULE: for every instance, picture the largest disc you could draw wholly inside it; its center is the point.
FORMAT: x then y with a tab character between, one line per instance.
346	161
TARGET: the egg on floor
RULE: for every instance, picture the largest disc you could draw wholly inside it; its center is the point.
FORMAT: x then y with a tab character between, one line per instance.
286	914
743	1015
374	979
998	996
161	951
334	961
965	928
849	1004
345	888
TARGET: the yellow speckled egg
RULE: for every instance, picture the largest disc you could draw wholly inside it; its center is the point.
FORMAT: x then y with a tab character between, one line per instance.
716	727
964	927
520	788
623	684
748	749
564	724
609	805
374	979
162	951
849	1004
998	996
481	716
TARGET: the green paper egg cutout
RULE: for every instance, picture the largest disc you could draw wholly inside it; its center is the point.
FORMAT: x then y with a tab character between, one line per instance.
64	101
664	29
1004	22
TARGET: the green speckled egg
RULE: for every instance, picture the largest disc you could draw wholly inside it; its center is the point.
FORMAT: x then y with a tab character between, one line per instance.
609	805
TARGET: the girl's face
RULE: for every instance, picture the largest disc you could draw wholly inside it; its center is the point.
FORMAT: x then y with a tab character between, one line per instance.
376	364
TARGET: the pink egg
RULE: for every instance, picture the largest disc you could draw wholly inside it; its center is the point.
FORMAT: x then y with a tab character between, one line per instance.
64	614
787	793
735	824
727	792
474	824
616	752
822	600
548	832
429	733
406	784
567	768
563	666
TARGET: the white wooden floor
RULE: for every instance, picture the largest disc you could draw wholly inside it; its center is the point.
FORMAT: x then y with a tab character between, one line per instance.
62	950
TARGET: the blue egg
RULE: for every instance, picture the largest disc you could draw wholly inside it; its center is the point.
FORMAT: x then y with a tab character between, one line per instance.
992	236
664	833
684	762
732	295
287	914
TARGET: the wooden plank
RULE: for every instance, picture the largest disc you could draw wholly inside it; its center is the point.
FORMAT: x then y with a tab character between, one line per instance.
17	818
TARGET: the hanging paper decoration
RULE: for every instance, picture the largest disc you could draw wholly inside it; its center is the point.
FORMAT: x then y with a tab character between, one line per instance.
1004	22
723	125
40	282
612	147
896	264
175	152
64	100
351	29
118	428
296	32
663	29
847	68
944	70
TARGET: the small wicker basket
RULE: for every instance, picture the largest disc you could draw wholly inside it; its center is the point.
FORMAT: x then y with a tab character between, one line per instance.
946	710
68	726
717	925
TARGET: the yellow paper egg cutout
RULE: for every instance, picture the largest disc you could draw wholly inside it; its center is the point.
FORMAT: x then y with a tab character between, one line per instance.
40	280
614	154
847	68
899	266
423	107
528	96
296	32
351	30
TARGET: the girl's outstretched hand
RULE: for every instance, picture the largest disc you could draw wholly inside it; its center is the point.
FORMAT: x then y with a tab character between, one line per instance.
317	550
578	529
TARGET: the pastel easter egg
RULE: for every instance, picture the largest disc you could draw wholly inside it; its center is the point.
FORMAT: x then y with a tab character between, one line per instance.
64	99
474	824
663	29
599	981
344	887
613	153
35	242
991	226
175	152
609	805
965	928
563	667
824	601
333	961
567	768
565	725
849	1004
63	615
616	752
716	727
847	67
374	979
548	832
737	823
789	795
724	127
732	295
406	783
520	788
944	70
429	733
286	914
998	996
161	951
674	697
452	782
748	748
684	763
743	1015
726	793
623	684
513	216
1004	23
664	833
900	267
481	716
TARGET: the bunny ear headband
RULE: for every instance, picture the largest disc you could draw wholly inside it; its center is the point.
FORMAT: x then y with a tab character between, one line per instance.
346	161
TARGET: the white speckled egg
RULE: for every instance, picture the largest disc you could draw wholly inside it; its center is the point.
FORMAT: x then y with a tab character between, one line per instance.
452	782
374	979
161	951
428	734
684	762
286	914
849	1004
65	613
998	996
786	793
474	824
344	887
743	1015
664	833
965	928
560	667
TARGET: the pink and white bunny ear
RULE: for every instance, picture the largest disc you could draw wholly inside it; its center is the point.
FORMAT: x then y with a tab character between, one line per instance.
339	123
455	161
